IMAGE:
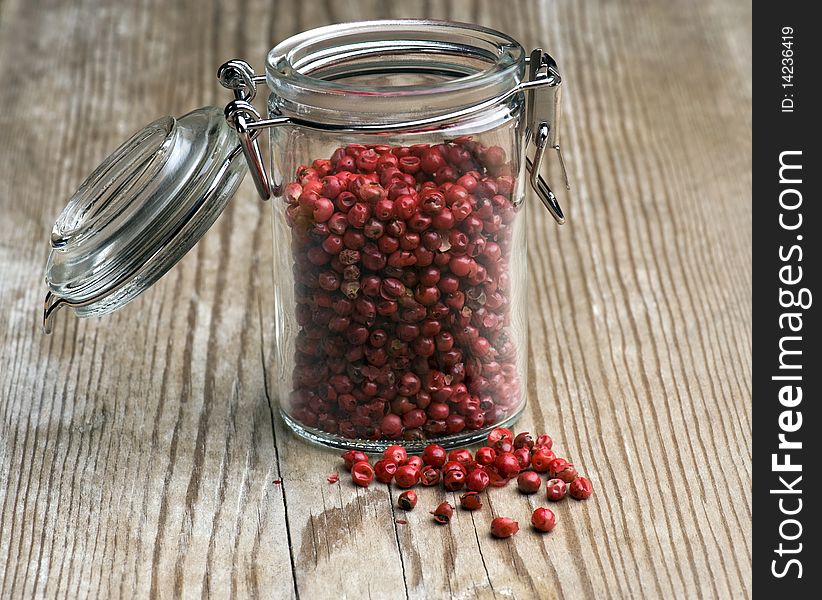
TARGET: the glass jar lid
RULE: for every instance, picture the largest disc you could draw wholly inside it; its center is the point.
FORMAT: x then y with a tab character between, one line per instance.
141	210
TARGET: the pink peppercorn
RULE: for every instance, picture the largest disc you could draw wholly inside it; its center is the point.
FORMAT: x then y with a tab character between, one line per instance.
353	456
507	465
453	480
471	501
523	456
429	476
543	519
414	461
529	482
384	470
443	513
580	489
462	456
556	489
434	455
485	456
477	480
395	453
524	440
362	473
503	527
407	476
407	500
562	469
541	460
453	465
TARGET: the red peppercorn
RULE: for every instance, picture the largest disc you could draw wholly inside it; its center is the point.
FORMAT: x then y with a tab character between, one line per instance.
353	456
524	440
523	456
443	513
562	469
503	527
362	473
541	460
556	489
507	465
580	488
485	455
503	445
453	480
414	461
477	480
543	519
391	425
407	476
494	478
429	476
407	500
544	441
432	160
471	501
384	470
462	456
453	465
434	455
529	482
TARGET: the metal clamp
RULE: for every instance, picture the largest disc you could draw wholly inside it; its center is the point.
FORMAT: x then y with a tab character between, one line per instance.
542	121
238	76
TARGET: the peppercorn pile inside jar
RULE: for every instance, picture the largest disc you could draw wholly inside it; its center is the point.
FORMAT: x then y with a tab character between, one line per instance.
401	266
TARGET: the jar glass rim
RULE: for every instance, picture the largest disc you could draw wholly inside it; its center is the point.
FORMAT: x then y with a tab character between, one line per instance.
478	63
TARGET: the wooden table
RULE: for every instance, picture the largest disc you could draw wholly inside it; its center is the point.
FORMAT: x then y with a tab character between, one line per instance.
139	453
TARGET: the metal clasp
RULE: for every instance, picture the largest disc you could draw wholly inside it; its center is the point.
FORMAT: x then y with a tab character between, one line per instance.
542	119
238	76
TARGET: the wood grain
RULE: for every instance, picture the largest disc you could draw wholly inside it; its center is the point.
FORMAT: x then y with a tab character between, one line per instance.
139	453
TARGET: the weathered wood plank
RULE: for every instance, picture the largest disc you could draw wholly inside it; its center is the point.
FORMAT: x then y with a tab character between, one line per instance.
138	453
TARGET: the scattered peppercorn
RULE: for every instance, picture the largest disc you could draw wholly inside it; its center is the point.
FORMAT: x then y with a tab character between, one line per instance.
407	500
580	489
503	527
485	456
353	456
523	456
333	478
541	460
529	482
507	465
434	455
395	453
471	501
562	469
429	476
500	433
453	480
362	473
543	519
384	470
477	480
524	440
443	513
407	476
556	489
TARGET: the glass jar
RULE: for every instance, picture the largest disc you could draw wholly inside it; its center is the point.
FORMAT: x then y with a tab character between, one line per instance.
397	171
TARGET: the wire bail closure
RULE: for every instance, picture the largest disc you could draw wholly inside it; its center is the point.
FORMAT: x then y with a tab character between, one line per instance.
238	76
542	121
542	117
